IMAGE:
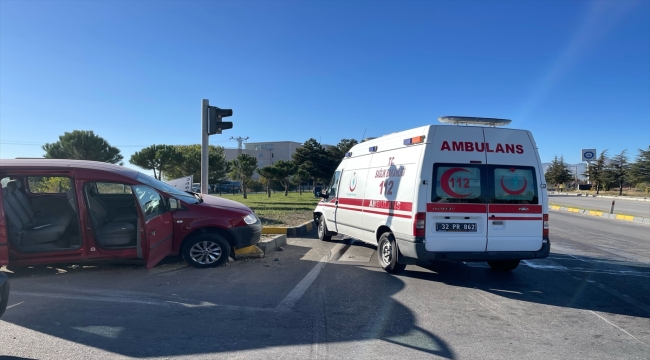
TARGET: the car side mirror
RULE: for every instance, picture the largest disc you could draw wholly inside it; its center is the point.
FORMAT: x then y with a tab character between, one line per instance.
324	194
4	292
174	204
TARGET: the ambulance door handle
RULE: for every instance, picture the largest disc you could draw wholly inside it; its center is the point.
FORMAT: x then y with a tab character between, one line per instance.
497	222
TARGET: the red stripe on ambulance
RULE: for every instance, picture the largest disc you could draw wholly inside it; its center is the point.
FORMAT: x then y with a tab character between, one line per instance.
515	209
457	208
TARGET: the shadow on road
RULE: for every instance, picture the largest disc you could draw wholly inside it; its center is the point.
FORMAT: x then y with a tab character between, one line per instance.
186	311
122	308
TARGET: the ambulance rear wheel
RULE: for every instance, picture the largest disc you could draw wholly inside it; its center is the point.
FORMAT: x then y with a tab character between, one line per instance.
322	230
503	265
387	254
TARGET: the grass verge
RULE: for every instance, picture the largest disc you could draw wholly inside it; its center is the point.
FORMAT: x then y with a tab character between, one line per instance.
279	210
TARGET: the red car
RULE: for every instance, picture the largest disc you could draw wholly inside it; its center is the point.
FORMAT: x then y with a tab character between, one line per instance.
55	211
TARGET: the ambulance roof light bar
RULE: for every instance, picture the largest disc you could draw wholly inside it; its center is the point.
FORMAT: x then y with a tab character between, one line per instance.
469	120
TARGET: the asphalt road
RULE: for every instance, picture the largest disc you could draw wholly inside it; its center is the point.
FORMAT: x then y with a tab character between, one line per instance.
589	300
622	206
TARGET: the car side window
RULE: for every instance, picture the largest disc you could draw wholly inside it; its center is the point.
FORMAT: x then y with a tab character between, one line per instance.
113	188
150	201
48	184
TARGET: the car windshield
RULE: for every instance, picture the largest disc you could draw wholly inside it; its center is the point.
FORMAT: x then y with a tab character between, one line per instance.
166	188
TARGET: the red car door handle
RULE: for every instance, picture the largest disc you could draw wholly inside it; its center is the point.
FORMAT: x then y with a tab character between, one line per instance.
153	232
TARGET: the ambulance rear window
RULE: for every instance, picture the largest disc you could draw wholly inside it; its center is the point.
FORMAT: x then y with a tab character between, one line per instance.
458	183
513	184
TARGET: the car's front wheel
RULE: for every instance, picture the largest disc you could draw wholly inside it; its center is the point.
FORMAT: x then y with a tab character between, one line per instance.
206	250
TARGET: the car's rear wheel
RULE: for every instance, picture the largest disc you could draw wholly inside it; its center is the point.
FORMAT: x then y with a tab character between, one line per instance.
322	230
387	254
206	250
504	265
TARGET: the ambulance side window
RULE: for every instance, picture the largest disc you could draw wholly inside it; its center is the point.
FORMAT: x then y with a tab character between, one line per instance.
459	183
334	185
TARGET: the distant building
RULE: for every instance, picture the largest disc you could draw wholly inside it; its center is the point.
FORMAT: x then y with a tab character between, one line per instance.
266	153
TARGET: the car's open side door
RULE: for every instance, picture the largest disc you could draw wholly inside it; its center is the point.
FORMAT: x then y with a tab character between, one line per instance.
155	226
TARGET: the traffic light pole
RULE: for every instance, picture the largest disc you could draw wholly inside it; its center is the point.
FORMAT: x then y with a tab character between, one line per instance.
204	146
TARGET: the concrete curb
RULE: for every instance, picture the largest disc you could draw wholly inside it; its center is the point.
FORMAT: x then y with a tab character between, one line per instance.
637	219
272	244
631	198
296	231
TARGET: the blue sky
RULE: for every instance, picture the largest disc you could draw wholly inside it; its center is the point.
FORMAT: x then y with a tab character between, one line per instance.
575	73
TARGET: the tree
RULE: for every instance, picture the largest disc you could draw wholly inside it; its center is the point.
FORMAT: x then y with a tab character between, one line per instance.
314	159
338	152
283	170
596	170
640	170
618	169
157	158
190	163
83	145
243	168
298	177
267	175
558	172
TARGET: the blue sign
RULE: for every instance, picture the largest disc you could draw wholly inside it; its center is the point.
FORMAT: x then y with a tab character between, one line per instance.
588	154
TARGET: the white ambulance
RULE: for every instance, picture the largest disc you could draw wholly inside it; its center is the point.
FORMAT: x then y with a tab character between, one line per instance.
442	192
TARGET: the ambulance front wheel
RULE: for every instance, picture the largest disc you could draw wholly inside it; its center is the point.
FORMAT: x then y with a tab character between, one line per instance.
387	254
503	265
322	230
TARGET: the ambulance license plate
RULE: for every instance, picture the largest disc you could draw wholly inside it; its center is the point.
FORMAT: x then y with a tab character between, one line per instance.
460	227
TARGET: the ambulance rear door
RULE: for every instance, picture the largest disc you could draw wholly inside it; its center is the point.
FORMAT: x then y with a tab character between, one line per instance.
515	220
456	218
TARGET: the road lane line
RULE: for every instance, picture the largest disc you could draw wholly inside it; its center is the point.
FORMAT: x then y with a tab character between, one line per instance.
294	296
10	306
614	325
141	301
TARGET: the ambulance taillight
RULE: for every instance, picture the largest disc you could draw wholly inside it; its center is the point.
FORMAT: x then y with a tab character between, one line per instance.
545	230
419	224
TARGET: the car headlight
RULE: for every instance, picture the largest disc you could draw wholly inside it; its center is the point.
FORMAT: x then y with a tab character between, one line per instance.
250	219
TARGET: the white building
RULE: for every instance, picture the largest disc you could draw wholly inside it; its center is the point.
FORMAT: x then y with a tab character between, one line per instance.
266	153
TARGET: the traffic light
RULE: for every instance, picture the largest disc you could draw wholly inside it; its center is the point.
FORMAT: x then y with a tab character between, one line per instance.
215	125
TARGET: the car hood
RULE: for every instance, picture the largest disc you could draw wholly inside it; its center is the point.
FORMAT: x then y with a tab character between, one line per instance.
217	202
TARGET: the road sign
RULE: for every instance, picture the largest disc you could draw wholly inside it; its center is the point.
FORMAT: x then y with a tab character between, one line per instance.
588	154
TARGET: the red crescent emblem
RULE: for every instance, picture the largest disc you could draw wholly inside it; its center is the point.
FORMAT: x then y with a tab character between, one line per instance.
353	180
444	182
514	192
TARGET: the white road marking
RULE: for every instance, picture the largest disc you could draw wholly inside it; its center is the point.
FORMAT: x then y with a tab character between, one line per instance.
16	304
294	296
544	266
141	301
614	325
553	266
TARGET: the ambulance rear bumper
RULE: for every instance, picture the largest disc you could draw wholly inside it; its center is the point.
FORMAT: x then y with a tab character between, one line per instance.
411	251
